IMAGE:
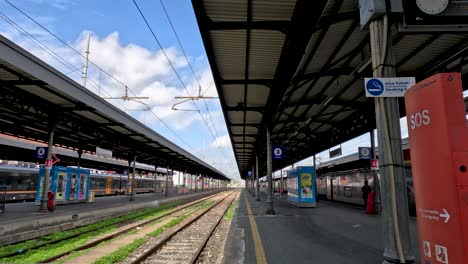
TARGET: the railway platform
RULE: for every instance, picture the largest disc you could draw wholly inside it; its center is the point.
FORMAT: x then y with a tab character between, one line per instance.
331	233
23	221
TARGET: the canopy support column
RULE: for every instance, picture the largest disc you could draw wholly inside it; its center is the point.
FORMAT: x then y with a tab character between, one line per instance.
270	209
397	242
45	189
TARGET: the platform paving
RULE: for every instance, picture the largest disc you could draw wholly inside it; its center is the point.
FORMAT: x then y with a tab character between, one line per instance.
331	233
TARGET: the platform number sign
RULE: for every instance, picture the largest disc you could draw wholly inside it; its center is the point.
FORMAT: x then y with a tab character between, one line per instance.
41	152
278	153
364	153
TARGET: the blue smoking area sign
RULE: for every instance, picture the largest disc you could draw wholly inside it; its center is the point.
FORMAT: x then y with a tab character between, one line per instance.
278	153
41	152
388	87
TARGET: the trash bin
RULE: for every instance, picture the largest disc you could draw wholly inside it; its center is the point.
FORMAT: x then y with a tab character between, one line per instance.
91	197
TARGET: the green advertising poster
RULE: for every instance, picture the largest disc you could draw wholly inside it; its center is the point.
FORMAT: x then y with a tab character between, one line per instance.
306	185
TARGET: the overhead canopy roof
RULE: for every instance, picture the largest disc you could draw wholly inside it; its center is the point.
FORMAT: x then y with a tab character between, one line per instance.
32	93
299	65
24	151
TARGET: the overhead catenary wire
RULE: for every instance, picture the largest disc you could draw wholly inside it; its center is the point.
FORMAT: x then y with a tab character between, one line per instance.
217	137
74	68
172	65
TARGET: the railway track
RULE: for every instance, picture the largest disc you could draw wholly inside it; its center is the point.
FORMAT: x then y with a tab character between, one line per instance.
186	243
125	226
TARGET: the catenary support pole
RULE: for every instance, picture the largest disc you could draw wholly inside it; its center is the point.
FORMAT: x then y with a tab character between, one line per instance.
270	209
132	196
397	242
45	188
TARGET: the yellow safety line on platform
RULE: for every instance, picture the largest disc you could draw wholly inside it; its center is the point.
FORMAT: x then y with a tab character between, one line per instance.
259	251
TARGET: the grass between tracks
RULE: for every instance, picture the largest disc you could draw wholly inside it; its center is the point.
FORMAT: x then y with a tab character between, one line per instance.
230	212
66	245
43	253
123	252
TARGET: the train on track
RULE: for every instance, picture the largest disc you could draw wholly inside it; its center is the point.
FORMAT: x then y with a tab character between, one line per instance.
345	185
21	183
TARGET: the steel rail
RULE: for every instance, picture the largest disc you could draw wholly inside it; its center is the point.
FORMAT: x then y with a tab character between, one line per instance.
129	221
168	237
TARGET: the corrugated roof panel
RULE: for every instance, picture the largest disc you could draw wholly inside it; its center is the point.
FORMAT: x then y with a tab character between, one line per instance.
298	94
356	38
257	95
233	94
356	89
349	5
318	87
313	40
236	117
229	47
265	51
226	10
342	116
407	45
435	49
264	10
334	35
300	110
39	91
337	85
252	117
91	116
329	7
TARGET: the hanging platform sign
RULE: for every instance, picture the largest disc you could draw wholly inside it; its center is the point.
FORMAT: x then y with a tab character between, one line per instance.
364	153
41	152
388	87
278	153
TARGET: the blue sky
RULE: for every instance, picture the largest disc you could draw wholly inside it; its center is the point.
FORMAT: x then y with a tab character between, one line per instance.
122	45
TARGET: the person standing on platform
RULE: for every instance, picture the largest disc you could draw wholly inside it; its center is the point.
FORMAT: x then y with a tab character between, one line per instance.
366	189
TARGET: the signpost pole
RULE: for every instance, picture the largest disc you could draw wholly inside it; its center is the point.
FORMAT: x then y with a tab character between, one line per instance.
270	209
397	242
45	188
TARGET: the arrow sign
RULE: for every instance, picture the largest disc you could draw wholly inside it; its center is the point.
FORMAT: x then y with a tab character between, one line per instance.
445	215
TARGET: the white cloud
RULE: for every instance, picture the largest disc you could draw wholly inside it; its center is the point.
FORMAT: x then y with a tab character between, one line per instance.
146	73
222	141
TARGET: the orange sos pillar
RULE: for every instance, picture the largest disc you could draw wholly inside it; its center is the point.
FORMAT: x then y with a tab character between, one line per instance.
439	154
